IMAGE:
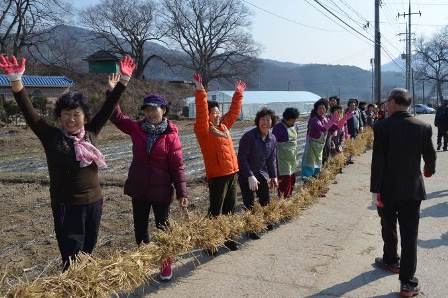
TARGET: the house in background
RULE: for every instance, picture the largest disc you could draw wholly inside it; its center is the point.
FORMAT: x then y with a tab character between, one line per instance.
253	101
50	87
103	61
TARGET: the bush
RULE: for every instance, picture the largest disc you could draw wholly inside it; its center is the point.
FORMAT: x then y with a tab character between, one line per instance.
40	104
12	111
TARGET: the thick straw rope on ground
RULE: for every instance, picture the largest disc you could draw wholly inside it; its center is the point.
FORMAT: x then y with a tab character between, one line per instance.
124	271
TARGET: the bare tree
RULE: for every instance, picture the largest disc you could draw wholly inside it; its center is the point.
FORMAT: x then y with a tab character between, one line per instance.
432	60
213	35
23	22
62	50
126	26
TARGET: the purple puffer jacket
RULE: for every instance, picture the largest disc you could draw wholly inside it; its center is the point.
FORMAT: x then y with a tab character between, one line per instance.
152	176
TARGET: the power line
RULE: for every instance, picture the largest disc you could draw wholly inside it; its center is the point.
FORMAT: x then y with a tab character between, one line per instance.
287	19
344	22
353	10
362	24
386	52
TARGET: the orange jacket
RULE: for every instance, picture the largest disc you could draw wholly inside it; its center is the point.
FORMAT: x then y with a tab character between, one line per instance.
217	149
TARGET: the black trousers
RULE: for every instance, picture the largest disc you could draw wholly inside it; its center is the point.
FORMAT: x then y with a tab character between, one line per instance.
327	150
222	195
76	228
442	133
407	213
140	210
249	196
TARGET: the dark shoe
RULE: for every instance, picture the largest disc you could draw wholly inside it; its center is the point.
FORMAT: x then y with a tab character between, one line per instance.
231	245
439	146
269	227
394	268
409	290
350	162
253	236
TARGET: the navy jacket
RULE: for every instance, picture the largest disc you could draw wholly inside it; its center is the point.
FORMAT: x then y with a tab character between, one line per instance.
257	157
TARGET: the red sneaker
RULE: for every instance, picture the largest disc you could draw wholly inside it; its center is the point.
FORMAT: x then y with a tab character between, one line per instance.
166	271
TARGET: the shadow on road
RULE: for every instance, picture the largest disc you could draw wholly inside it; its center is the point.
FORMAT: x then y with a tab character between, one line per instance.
433	243
353	284
438	210
437	194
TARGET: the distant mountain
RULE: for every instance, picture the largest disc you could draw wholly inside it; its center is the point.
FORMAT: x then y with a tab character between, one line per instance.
396	65
324	80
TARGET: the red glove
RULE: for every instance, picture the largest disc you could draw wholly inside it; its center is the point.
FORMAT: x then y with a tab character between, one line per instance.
12	68
198	81
426	172
127	67
379	201
240	86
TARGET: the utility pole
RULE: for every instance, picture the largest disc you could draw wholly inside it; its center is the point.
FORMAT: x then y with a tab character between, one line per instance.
373	79
409	44
377	59
406	56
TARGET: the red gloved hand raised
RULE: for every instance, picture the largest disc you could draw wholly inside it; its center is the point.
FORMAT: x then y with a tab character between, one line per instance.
198	81
127	67
12	68
240	86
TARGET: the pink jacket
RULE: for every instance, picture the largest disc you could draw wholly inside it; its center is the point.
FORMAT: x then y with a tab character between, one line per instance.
153	176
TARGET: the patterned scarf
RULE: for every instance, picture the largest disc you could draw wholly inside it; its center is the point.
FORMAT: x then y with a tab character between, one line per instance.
154	131
86	152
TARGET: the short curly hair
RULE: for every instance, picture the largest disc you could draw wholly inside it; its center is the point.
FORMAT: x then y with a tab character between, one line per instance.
265	112
291	113
71	101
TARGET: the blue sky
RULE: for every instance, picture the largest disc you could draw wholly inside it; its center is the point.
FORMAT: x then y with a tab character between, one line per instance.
278	26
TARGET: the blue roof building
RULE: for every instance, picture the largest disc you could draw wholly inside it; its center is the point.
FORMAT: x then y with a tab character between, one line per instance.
40	81
50	87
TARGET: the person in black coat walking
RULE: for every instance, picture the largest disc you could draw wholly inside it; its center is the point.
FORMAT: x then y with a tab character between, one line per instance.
400	141
441	122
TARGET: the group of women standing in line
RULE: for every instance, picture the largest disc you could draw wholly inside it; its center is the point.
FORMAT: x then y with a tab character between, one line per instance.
267	157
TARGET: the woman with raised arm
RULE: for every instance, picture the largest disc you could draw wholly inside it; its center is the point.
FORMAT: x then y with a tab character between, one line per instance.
72	158
157	167
318	128
212	131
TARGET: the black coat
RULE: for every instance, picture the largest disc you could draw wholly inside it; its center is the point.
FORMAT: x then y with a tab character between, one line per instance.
441	118
400	142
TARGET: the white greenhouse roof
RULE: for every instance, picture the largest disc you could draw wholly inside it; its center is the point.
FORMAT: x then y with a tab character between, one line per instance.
276	96
264	97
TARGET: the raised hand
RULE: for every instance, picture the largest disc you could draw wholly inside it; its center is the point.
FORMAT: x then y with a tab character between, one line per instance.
127	67
113	80
348	115
198	81
334	117
240	86
12	68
